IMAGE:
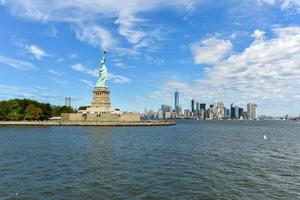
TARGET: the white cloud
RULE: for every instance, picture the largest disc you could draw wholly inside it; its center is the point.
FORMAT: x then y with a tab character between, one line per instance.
81	68
119	64
127	27
87	16
118	78
155	61
233	35
17	64
36	92
267	72
55	72
174	85
2	2
264	70
36	51
284	4
95	35
165	93
60	60
258	34
111	77
270	2
288	4
211	50
88	83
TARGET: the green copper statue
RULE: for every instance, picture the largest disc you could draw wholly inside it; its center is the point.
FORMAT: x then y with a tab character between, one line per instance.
102	73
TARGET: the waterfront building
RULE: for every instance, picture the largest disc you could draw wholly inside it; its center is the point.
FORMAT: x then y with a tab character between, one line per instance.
187	114
244	115
210	114
68	102
179	111
173	115
167	115
226	113
160	114
206	114
152	114
203	106
165	109
241	112
202	114
219	110
251	110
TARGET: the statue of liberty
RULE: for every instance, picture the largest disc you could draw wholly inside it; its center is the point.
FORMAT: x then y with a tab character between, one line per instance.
102	72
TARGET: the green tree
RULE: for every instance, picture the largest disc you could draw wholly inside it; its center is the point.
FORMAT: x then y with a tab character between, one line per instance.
82	107
66	109
20	109
4	110
33	113
47	111
55	111
14	110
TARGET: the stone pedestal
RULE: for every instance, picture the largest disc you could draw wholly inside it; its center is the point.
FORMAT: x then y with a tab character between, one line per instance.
101	98
101	102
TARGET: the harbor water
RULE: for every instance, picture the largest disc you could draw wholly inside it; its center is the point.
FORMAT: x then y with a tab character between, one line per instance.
192	160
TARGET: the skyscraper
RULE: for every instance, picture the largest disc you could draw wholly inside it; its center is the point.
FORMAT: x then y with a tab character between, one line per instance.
232	106
193	106
197	108
219	110
202	106
251	110
176	101
236	111
241	111
68	101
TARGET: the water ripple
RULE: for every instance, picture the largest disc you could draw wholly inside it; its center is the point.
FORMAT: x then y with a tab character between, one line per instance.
193	160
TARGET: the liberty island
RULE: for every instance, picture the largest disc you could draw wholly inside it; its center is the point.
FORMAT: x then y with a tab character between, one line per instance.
100	109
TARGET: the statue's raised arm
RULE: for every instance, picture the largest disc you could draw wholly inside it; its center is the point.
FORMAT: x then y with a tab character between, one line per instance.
102	72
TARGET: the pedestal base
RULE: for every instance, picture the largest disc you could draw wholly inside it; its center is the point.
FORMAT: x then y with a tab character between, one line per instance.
101	102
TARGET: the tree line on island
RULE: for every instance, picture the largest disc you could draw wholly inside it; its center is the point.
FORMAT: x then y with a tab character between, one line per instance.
27	109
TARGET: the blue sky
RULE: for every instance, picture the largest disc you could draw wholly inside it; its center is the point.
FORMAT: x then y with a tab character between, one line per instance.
230	51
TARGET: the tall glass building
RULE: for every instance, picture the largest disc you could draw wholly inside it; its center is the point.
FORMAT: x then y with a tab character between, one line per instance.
251	110
176	101
68	101
234	111
193	106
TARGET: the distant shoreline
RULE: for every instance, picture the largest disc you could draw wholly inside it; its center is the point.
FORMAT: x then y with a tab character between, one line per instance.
61	123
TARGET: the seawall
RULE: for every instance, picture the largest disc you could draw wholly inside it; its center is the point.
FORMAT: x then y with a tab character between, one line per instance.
60	123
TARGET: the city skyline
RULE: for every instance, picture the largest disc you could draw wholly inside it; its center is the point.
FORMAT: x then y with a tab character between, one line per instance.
200	110
229	51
